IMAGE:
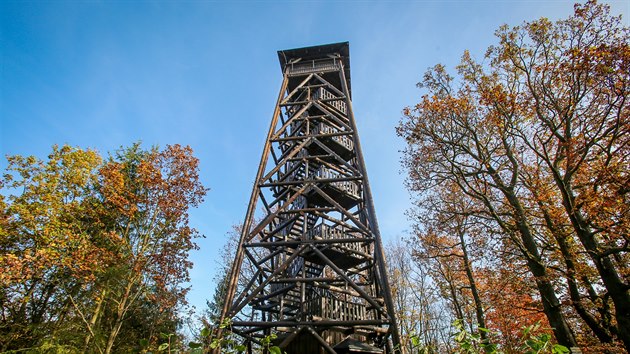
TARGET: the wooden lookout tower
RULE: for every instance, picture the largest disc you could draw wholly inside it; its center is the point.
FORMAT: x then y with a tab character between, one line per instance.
309	266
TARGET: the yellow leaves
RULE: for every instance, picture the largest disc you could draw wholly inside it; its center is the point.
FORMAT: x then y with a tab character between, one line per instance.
80	166
538	30
20	266
45	219
441	107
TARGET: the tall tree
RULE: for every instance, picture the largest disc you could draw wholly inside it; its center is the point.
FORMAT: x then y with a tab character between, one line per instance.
576	81
420	310
47	249
453	141
148	194
550	98
226	258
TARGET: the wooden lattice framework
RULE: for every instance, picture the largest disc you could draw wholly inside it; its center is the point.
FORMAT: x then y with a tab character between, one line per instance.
311	269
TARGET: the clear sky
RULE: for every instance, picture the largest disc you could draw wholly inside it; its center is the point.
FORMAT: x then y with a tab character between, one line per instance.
105	74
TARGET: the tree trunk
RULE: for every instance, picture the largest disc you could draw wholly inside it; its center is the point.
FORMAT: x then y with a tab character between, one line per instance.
481	321
599	329
93	320
602	333
120	315
617	289
550	302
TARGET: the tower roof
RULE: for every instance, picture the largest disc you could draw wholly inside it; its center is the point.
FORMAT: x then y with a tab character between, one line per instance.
341	49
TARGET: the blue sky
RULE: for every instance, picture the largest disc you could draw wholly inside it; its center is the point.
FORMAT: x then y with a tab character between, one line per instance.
105	74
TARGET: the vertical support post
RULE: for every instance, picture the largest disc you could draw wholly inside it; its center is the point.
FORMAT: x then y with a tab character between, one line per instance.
378	244
251	208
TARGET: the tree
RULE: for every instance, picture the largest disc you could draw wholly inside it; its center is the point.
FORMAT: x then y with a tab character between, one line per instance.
452	141
147	195
212	317
94	249
464	256
420	311
536	138
47	251
511	304
227	254
576	84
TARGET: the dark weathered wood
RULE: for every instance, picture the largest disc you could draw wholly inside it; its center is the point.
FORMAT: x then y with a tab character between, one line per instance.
342	209
329	135
316	246
372	214
323	323
236	308
294	183
277	167
290	95
301	242
339	271
321	340
234	271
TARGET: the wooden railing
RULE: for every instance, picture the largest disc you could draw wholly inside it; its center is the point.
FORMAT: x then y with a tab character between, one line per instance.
313	66
321	94
328	232
348	187
291	272
342	140
331	308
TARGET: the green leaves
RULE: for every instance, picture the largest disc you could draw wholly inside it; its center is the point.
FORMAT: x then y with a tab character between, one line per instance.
531	342
275	350
415	341
163	347
539	343
205	332
194	345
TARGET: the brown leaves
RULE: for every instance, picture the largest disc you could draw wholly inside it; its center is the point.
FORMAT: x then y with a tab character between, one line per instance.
153	190
536	141
115	189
